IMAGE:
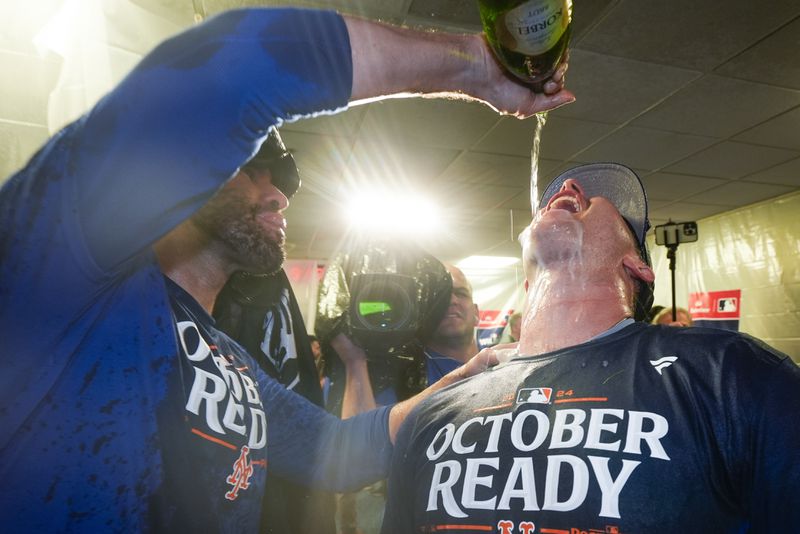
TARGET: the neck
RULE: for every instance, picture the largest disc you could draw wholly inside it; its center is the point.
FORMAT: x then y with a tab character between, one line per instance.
564	309
191	262
461	349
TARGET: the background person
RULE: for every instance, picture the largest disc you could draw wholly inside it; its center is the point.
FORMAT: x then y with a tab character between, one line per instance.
449	346
512	333
453	342
603	422
124	407
682	317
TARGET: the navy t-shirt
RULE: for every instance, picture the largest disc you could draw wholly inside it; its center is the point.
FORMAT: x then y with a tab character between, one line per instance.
649	429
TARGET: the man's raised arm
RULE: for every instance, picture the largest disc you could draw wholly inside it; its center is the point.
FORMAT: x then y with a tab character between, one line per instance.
389	60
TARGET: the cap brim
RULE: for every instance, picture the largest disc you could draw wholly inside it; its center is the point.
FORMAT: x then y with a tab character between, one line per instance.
617	183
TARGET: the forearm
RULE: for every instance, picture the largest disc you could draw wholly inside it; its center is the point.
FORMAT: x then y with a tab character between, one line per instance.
358	395
312	447
401	410
389	60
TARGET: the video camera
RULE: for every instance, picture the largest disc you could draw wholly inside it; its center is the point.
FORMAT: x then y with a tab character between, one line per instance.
388	297
383	295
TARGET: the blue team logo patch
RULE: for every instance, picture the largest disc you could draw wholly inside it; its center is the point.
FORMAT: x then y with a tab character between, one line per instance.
534	395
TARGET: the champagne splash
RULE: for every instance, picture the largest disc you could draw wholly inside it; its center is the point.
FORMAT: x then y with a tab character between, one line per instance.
541	119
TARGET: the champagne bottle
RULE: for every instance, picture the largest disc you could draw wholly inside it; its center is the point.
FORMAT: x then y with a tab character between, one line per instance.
529	37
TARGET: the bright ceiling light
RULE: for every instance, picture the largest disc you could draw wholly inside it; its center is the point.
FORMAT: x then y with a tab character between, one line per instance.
487	262
393	213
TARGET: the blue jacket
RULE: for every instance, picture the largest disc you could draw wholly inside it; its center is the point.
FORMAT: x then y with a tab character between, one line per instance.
93	415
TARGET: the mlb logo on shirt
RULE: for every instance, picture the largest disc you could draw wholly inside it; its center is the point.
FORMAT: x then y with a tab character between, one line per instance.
534	395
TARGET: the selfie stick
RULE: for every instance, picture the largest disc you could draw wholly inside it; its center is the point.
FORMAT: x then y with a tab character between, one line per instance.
671	250
671	235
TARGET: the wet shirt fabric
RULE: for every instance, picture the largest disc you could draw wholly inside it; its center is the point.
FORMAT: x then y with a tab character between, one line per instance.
122	408
649	429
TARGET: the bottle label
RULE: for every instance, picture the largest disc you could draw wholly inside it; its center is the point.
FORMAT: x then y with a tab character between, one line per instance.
534	27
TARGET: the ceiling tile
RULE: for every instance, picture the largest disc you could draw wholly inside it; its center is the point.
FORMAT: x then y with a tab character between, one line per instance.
345	124
25	86
322	160
784	174
781	131
485	168
519	202
562	138
772	60
439	123
685	211
139	28
22	24
177	11
510	136
697	35
665	187
471	196
589	14
732	160
719	107
736	194
612	89
18	142
398	164
446	12
645	148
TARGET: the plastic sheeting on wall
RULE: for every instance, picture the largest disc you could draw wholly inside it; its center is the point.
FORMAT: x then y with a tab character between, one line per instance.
498	293
755	249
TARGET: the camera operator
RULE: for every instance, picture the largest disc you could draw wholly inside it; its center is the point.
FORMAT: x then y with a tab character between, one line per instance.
451	344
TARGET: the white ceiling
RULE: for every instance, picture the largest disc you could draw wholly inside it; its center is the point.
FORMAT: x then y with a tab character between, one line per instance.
702	98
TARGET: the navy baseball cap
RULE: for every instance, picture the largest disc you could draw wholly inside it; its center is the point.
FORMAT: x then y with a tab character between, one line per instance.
623	188
273	155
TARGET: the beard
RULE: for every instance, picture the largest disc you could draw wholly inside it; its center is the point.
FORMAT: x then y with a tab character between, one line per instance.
230	221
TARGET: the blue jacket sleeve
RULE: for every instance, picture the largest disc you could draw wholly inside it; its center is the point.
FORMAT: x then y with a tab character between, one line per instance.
160	144
312	447
77	222
193	111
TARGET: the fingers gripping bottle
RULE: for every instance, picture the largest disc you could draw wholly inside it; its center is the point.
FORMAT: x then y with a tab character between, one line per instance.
529	37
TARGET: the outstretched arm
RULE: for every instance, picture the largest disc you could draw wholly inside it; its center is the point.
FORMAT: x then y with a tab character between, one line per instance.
479	363
389	60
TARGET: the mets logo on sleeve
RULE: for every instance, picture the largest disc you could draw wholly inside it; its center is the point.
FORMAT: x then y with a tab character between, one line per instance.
534	395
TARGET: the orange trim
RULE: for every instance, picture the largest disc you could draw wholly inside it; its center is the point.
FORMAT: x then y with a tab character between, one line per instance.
215	440
485	528
584	399
488	408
